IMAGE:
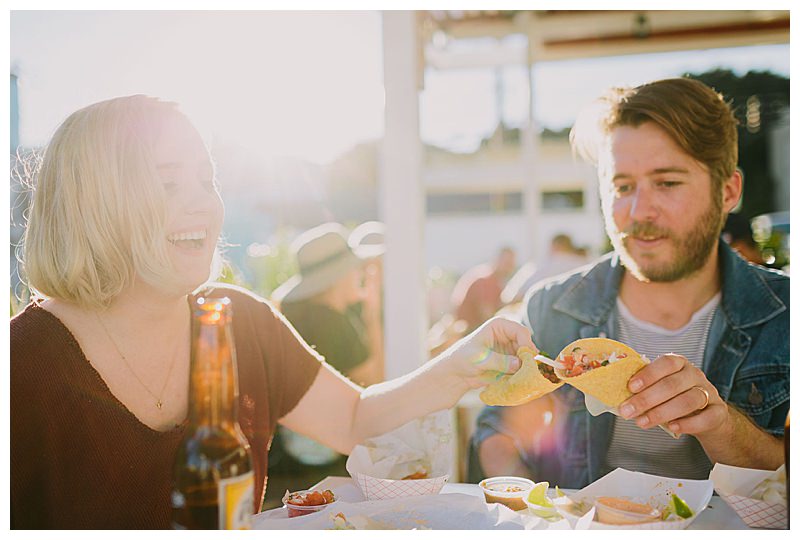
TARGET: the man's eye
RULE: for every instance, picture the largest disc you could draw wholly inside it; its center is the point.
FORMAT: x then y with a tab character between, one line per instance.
668	183
622	188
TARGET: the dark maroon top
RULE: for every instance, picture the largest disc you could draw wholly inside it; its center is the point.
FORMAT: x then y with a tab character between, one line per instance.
80	459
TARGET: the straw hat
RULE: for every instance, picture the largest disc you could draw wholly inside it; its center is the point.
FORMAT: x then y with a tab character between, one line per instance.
367	240
323	257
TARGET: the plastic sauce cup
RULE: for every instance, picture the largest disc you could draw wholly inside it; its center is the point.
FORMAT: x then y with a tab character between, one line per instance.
295	510
510	491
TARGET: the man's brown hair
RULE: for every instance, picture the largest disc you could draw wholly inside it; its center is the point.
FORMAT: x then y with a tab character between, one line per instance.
696	117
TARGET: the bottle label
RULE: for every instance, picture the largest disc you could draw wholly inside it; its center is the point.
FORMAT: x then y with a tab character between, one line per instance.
236	501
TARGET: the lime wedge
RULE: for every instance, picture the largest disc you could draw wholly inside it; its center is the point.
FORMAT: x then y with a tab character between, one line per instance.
560	493
538	495
679	507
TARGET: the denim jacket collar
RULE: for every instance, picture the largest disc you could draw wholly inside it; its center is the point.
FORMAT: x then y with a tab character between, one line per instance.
594	296
746	299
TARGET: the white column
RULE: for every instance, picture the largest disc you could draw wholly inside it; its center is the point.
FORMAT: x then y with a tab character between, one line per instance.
532	199
402	200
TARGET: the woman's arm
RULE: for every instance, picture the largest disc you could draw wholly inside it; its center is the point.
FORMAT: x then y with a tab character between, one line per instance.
341	414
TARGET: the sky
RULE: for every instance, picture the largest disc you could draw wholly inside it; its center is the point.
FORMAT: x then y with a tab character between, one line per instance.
298	84
304	85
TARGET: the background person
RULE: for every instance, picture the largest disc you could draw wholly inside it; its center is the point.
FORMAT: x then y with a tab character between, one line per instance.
716	327
738	233
318	302
335	305
122	231
562	257
476	295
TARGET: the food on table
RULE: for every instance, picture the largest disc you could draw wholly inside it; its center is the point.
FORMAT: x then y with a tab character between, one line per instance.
600	367
305	502
540	504
772	489
340	523
620	511
533	380
510	491
678	507
419	475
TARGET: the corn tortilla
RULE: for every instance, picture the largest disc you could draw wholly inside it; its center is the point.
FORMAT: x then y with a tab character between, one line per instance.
607	383
525	385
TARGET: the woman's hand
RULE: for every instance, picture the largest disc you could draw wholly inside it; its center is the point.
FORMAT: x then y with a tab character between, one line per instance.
487	353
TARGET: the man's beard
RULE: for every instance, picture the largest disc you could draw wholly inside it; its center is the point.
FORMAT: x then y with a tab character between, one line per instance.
691	252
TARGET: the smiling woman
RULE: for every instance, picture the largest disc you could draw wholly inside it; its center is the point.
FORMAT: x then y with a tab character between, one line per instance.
121	236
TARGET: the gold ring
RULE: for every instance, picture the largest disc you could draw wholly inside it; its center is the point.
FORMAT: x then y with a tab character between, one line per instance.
705	393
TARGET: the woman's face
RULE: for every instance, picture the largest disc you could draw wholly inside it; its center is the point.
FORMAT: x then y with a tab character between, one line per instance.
194	208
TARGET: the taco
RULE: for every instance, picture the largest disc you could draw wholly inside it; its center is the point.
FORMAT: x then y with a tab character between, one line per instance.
600	367
533	379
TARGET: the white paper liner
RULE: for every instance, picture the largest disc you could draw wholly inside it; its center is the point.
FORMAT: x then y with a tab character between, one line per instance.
645	488
734	485
379	465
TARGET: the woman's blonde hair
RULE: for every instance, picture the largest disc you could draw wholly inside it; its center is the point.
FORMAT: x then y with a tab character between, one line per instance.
97	214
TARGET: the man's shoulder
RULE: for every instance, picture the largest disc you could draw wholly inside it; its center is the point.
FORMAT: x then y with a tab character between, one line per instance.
550	289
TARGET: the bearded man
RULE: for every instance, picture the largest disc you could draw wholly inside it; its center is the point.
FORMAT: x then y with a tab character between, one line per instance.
716	327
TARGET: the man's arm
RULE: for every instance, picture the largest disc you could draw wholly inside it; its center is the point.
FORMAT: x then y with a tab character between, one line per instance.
497	449
674	392
499	456
741	443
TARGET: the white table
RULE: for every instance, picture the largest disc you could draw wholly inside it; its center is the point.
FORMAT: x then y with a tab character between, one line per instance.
717	516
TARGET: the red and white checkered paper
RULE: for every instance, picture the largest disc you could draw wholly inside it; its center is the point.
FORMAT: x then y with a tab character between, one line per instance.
381	488
757	513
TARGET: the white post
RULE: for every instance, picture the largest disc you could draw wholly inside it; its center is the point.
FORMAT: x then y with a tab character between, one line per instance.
532	197
402	200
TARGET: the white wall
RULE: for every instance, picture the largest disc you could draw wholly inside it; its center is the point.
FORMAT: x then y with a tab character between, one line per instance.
459	242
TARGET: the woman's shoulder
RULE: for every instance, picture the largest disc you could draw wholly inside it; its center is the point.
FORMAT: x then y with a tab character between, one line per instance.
36	337
32	325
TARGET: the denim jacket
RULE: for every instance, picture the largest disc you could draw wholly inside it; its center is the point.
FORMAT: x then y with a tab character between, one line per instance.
746	356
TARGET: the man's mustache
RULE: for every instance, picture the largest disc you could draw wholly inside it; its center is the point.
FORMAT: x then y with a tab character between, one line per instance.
638	230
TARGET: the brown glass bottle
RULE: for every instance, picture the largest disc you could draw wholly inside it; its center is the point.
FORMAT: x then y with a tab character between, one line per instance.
786	456
213	475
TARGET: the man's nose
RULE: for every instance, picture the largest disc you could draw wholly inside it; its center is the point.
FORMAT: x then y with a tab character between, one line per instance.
642	204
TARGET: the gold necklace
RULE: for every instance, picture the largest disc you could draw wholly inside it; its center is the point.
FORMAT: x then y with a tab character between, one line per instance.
158	398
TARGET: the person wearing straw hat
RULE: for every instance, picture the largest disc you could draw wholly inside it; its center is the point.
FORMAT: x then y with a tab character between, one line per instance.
334	304
331	279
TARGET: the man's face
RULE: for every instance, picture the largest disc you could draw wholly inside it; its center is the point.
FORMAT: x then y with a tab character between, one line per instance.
660	213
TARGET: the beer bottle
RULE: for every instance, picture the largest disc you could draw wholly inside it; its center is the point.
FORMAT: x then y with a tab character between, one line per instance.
786	456
213	475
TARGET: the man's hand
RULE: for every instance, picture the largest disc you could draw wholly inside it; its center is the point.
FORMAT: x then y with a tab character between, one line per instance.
673	392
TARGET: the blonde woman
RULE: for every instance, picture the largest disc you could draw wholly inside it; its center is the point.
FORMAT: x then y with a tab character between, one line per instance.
122	230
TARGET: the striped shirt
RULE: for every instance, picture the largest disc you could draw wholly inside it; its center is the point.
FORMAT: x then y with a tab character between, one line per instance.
654	451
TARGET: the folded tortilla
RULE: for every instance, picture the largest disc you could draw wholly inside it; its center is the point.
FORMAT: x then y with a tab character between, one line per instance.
525	385
607	383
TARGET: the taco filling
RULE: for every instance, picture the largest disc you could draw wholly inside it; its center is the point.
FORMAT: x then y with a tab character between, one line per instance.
579	361
548	372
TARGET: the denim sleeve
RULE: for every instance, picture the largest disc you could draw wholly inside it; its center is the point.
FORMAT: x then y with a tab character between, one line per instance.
489	422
